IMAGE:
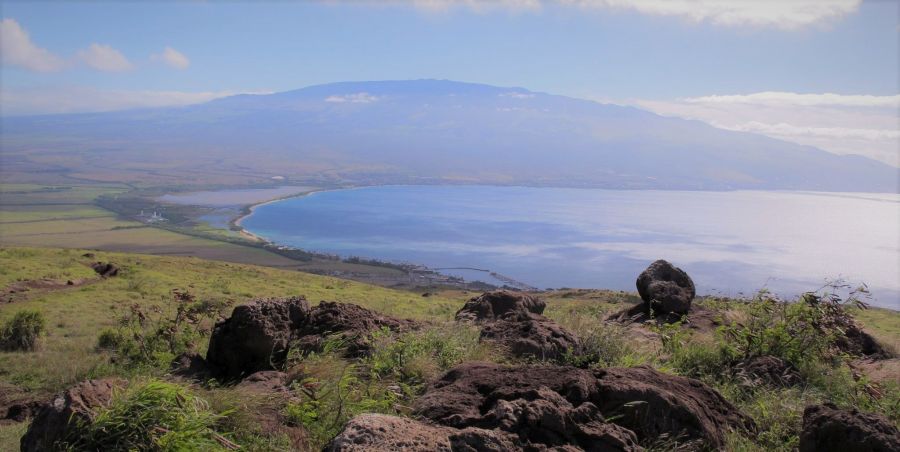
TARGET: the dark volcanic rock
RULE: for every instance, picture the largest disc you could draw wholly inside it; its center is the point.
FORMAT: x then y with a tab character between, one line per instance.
56	419
493	305
666	288
860	343
829	429
191	365
256	336
642	400
531	336
652	403
351	323
768	370
106	270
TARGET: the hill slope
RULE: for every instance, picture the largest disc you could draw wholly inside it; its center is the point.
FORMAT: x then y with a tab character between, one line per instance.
434	131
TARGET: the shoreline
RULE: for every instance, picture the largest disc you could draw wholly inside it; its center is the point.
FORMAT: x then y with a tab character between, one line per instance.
246	211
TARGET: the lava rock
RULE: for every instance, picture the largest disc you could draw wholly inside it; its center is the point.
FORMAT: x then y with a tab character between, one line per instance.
829	429
769	370
349	323
56	419
666	288
531	336
642	403
495	304
105	269
256	336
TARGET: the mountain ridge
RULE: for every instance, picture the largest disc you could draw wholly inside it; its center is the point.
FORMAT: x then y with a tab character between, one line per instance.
440	130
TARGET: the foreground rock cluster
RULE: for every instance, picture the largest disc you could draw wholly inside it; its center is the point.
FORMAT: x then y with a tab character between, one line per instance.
480	406
515	323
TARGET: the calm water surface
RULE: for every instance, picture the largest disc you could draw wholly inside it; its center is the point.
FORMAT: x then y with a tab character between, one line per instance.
729	242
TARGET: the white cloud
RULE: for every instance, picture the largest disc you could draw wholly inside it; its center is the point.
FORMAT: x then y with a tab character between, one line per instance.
172	58
784	98
358	98
784	14
84	99
844	124
17	49
104	58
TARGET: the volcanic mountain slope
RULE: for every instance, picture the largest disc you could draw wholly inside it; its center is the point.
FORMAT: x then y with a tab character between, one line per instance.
438	131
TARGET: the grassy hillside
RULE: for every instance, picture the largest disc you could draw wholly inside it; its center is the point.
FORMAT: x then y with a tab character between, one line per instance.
36	279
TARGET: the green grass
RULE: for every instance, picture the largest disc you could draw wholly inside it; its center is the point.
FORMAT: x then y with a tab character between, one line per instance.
389	380
75	316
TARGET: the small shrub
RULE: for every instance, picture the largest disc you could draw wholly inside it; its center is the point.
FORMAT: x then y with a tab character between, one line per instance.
416	357
152	337
23	331
334	392
155	416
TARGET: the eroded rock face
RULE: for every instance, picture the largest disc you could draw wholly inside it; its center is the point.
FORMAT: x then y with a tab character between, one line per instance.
256	336
531	336
829	429
666	288
494	305
556	405
351	323
56	419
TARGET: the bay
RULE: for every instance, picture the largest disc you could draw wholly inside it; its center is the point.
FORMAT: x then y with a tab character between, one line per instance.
731	243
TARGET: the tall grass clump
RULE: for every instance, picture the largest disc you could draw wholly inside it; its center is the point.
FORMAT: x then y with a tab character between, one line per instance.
22	331
154	416
150	337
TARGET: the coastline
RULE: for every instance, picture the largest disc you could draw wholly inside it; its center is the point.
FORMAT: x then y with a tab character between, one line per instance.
247	210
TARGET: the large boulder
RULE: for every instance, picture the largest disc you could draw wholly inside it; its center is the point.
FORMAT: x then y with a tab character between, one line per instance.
531	336
348	323
57	419
653	404
666	288
256	336
493	305
556	405
829	429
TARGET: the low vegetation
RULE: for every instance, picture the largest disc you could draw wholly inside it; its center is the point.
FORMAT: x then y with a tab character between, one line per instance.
134	324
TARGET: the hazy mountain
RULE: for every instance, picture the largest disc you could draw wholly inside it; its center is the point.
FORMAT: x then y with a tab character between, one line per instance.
434	130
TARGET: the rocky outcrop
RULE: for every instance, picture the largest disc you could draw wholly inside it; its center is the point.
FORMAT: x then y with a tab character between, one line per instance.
349	323
556	406
858	342
829	429
531	336
55	420
653	404
496	304
256	336
105	269
666	289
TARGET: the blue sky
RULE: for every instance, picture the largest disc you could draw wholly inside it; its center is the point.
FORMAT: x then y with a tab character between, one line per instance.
761	66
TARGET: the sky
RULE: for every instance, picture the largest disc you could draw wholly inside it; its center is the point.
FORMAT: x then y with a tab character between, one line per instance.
817	72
